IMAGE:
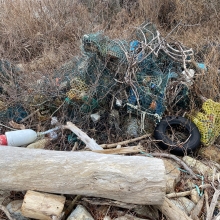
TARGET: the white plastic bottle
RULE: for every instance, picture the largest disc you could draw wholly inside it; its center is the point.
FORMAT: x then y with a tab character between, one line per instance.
18	138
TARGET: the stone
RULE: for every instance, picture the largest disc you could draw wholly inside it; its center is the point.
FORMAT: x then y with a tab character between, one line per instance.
14	208
211	153
184	204
172	175
80	213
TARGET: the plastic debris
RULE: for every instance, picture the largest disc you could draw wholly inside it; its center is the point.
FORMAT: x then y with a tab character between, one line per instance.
95	117
18	138
208	121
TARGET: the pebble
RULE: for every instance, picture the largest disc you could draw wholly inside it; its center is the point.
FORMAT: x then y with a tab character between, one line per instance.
80	213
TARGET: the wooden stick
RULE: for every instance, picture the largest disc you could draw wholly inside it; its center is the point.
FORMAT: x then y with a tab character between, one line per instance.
70	207
172	212
33	113
125	142
178	161
90	143
5	210
213	203
206	202
197	209
123	150
108	202
185	193
180	194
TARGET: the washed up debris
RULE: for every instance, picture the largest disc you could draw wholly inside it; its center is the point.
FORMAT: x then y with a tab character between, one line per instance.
208	122
184	204
80	213
172	175
198	166
39	205
18	138
211	152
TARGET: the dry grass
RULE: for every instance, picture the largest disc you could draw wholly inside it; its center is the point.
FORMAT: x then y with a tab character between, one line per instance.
43	34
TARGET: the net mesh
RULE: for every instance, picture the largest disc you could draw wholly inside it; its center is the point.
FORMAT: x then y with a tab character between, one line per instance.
208	121
136	72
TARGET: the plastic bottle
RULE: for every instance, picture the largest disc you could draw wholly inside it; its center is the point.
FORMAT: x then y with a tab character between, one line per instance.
18	138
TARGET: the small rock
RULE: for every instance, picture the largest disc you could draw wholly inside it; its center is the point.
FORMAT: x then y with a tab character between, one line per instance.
80	213
197	166
172	175
107	218
184	204
14	208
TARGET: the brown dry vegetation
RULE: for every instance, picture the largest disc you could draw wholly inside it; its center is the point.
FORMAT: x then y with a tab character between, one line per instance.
43	34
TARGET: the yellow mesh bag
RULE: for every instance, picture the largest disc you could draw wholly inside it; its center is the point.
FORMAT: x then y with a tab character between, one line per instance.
208	121
78	89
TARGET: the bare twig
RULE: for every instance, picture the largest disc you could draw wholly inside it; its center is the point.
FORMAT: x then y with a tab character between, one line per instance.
213	203
123	150
197	209
90	143
33	113
125	142
178	161
70	207
207	202
5	210
180	194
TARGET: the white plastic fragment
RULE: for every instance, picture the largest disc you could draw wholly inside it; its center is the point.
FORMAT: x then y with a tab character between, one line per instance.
80	213
95	117
54	121
118	102
189	74
20	137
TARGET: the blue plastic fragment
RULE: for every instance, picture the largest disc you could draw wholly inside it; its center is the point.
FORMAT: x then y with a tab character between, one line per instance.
202	66
134	45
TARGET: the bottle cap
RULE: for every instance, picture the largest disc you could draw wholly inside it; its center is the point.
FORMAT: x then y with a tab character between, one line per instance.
3	140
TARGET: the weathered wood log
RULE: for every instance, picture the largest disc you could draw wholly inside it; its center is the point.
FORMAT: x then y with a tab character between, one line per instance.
172	212
130	179
42	205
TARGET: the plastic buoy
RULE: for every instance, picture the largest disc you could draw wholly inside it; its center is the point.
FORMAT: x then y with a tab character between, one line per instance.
18	138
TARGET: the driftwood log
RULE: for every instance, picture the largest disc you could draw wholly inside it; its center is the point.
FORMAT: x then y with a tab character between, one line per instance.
171	211
130	179
42	205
